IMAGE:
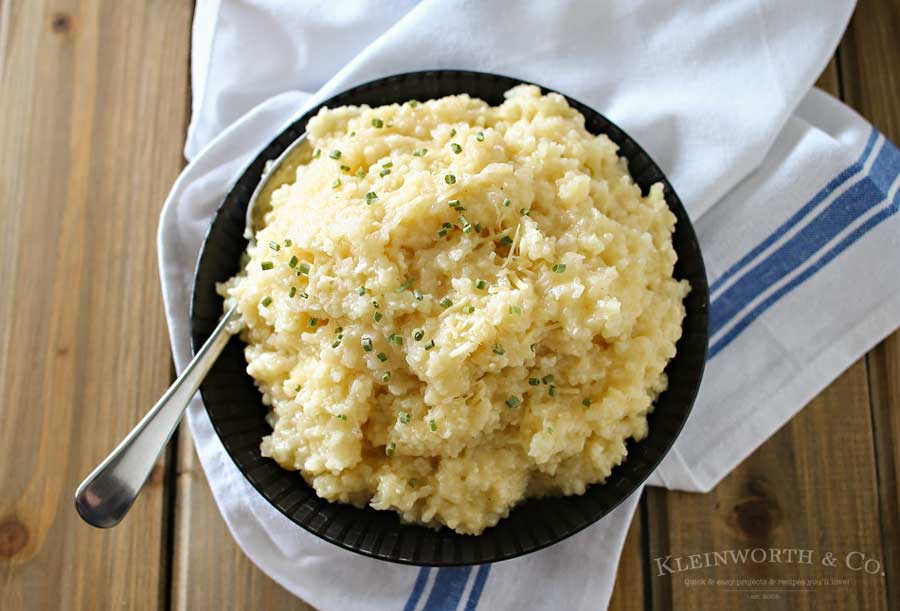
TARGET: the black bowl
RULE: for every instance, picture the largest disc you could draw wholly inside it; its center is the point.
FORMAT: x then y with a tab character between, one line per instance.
238	415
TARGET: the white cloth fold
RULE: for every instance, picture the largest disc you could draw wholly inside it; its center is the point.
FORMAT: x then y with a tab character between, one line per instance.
793	195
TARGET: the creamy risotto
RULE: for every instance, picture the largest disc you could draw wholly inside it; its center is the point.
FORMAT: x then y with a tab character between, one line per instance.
453	306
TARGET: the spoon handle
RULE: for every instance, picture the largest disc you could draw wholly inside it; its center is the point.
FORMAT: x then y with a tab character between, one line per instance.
106	495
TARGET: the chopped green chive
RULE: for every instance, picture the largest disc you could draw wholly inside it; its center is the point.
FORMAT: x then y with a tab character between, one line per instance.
418	295
316	154
387	164
445	302
449	179
586	402
413	482
367	344
413	103
559	268
506	240
313	322
403	417
479	136
391	447
288	242
506	202
515	310
386	377
266	265
266	301
342	417
465	224
335	154
547	379
533	381
377	316
454	203
384	172
429	345
382	356
420	152
336	343
418	334
498	349
304	268
512	402
395	339
432	425
336	183
377	123
298	388
275	246
293	262
477	227
442	232
371	196
293	292
456	148
469	309
345	168
525	212
361	290
304	295
352	134
338	330
360	173
480	284
452	132
551	391
403	286
375	304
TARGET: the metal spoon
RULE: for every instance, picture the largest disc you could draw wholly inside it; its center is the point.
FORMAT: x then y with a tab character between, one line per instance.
106	495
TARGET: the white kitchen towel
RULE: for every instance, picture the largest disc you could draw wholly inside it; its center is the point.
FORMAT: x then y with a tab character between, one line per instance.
793	195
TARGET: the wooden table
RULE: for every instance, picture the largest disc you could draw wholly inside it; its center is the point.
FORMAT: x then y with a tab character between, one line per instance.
94	102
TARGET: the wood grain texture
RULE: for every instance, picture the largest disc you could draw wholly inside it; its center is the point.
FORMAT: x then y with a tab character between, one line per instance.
210	570
813	485
91	125
870	71
628	592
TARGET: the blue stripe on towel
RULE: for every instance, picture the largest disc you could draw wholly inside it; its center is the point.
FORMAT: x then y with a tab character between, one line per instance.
831	254
854	203
448	589
418	588
798	216
478	587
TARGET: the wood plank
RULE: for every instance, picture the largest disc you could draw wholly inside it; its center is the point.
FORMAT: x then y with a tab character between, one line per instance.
884	379
91	114
210	571
870	67
628	592
812	486
791	493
